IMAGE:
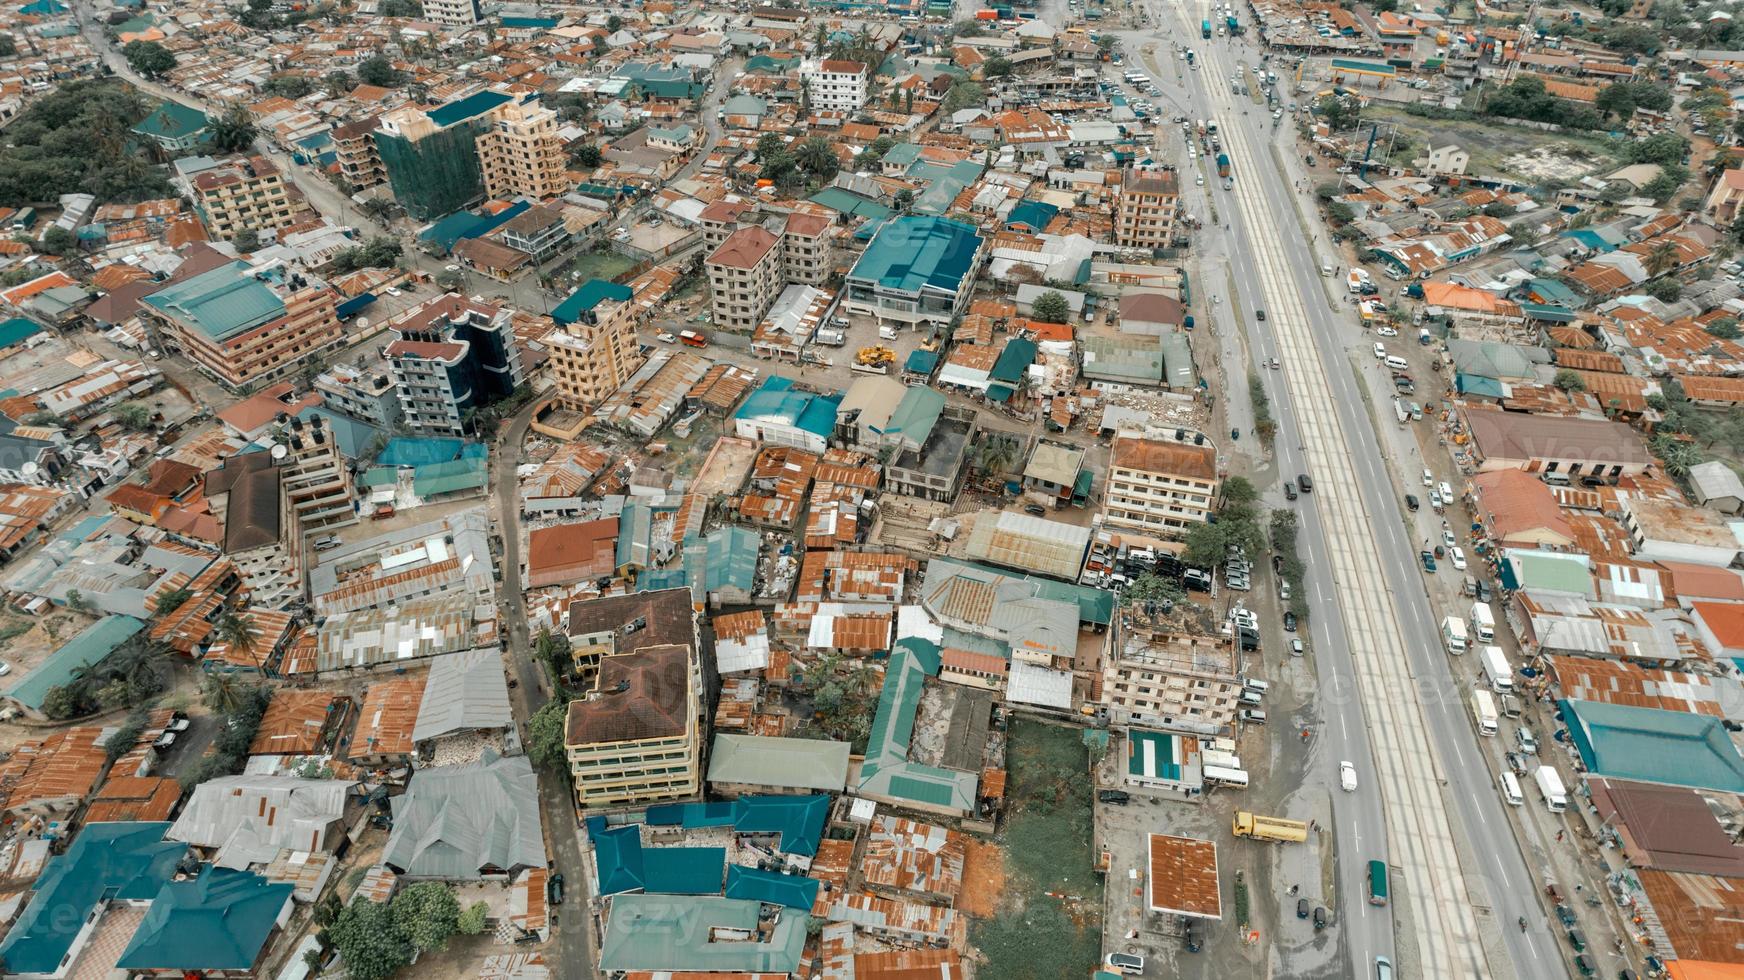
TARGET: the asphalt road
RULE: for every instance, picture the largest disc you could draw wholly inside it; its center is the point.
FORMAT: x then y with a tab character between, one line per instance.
1458	871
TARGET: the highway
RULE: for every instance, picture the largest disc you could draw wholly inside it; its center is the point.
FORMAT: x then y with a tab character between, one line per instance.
1426	802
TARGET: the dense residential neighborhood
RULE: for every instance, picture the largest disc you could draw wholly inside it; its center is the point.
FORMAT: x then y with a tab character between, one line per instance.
808	489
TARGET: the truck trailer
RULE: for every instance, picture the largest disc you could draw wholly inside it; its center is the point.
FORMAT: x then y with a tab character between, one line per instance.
1483	623
1497	671
1274	829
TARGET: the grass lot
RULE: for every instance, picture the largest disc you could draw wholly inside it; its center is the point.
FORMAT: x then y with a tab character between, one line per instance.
1049	923
1490	143
604	264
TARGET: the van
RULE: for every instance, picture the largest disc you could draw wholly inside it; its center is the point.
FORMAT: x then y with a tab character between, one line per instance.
1253	716
1395	362
1377	882
1555	479
1326	271
886	332
1511	789
1255	685
1252	699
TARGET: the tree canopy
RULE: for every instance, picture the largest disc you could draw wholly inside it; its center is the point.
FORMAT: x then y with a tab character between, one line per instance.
149	58
76	139
380	71
1050	307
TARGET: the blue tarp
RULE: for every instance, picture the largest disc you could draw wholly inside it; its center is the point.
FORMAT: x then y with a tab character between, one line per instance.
354	305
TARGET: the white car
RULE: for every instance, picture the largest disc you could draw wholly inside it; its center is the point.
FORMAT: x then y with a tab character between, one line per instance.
393	291
1200	180
1386	331
1429	479
1446	492
1458	558
1296	649
5	668
1380	352
665	338
1347	776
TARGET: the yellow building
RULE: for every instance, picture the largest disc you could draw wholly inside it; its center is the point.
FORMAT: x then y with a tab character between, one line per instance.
594	349
243	194
635	739
520	154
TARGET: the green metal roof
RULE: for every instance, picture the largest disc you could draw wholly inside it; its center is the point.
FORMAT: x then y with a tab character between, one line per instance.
1014	361
1133	358
1548	571
675	933
18	329
915	252
842	200
728	559
96	642
683	870
916	414
221	302
171	120
115	861
379	476
589	295
771	888
1653	745
618	853
785	763
887	771
473	105
450	477
218	920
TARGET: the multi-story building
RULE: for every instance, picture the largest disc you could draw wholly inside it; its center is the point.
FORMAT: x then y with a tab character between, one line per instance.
367	396
1149	203
808	253
594	348
459	12
834	84
452	357
917	270
1163	674
636	738
261	535
539	231
354	146
521	154
1162	486
745	275
442	160
243	194
719	220
316	477
241	325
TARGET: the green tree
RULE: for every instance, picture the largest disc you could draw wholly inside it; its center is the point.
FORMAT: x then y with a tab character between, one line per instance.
1725	328
124	738
451	280
1050	307
225	694
58	241
1151	588
402	8
962	95
1339	111
1238	490
472	921
338	83
148	58
170	601
545	732
771	145
61	702
132	416
379	71
233	130
369	941
996	67
247	240
241	636
1616	101
903	201
818	158
1569	380
586	156
8	46
77	602
292	86
1665	290
614	24
426	914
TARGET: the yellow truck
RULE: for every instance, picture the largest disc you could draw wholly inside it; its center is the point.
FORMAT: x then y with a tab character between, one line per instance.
1274	829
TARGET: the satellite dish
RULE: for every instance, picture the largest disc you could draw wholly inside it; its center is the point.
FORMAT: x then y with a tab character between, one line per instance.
29	468
279	451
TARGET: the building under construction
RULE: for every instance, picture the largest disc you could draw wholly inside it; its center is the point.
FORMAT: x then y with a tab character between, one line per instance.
450	157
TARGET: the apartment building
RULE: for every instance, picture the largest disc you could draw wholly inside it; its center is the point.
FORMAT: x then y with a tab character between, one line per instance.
593	350
719	220
834	84
261	535
540	231
808	253
452	356
453	12
241	325
367	396
354	146
1164	674
1147	209
521	154
240	194
1161	486
316	477
745	275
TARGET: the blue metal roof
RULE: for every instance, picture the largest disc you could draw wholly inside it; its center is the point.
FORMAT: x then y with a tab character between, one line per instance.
221	302
772	888
217	920
915	252
1653	745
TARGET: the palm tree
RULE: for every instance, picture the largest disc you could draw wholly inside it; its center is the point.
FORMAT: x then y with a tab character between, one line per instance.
233	130
1676	456
1661	258
817	156
240	634
224	693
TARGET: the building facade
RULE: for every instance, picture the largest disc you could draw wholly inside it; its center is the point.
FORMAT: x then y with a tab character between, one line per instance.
593	351
1148	207
834	85
367	396
240	326
1164	675
354	147
1160	486
808	253
453	12
243	194
745	275
261	534
918	270
452	357
521	154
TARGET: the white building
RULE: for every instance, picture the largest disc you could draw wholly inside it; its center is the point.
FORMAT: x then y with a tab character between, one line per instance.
834	85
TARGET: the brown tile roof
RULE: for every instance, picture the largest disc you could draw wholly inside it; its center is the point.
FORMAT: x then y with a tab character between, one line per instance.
640	695
666	614
744	248
1160	456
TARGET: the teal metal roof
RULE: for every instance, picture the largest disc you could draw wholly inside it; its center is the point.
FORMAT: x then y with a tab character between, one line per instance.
683	870
915	252
844	201
589	295
1554	314
414	451
221	302
1653	745
1014	361
18	329
379	476
618	852
921	361
1033	215
1151	755
728	559
115	861
675	933
171	120
352	435
772	888
218	920
887	771
96	642
451	477
473	105
777	402
915	414
797	820
544	22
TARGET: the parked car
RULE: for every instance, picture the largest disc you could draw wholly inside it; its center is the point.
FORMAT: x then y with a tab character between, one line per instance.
164	741
1035	510
1319	917
554	889
1458	558
1411	502
1304	483
1301	908
1117	797
1289	622
1427	559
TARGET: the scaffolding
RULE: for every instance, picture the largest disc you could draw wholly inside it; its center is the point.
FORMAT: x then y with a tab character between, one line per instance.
437	174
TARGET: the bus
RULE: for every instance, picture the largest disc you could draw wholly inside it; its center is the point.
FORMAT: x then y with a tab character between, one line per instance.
1377	882
1205	29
